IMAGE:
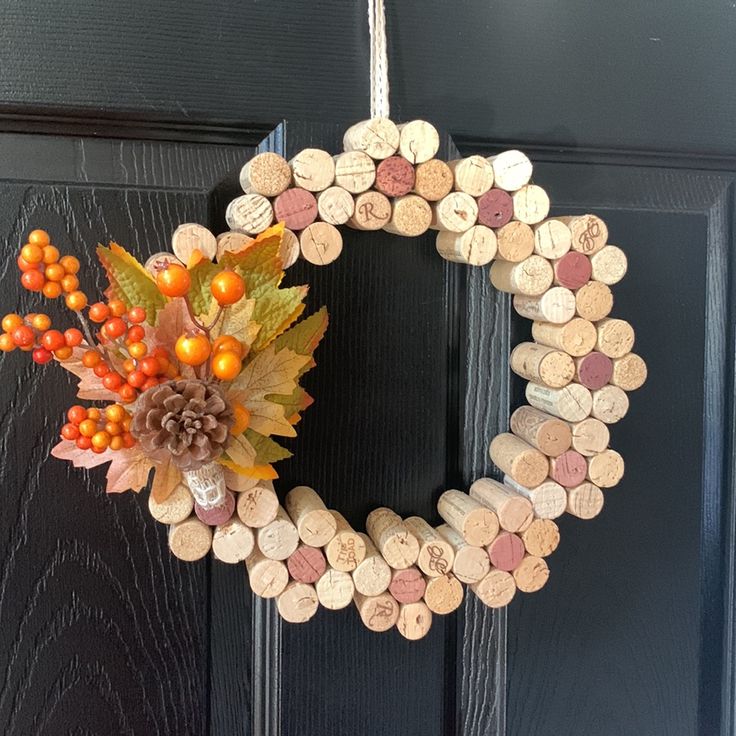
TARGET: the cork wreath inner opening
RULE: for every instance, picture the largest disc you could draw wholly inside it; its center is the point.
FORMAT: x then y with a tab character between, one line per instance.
553	459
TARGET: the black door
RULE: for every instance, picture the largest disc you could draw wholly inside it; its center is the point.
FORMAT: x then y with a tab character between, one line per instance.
123	120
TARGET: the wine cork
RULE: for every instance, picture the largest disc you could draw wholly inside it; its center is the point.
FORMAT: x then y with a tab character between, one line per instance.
158	261
605	469
568	469
572	270
414	621
576	337
584	501
435	552
531	204
542	538
378	137
532	276
231	242
240	483
418	141
495	209
552	239
573	403
407	586
542	364
470	563
472	175
346	550
515	242
321	243
609	265
313	169
594	301
394	177
267	174
506	551
190	540
520	460
298	603
410	216
232	542
556	305
268	578
335	589
279	538
511	170
433	180
190	237
315	524
610	404
354	171
372	575
258	506
335	205
589	233
455	212
444	594
496	589
514	512
477	524
615	337
590	436
476	246
593	370
289	249
398	546
548	499
548	434
217	514
249	213
531	575
377	612
372	211
306	564
296	208
629	372
177	507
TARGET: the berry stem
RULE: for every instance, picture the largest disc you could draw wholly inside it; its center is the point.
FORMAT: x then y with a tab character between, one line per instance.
85	328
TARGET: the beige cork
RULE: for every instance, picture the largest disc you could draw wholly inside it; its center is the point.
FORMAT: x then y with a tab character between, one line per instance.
378	612
477	524
443	594
396	543
476	246
279	538
432	180
313	169
470	563
629	372
514	512
268	577
589	233
609	265
346	550
606	468
419	141
298	603
320	243
576	337
410	216
378	137
472	175
584	501
335	205
190	540
372	575
615	337
436	554
594	301
258	505
590	436
552	239
372	211
250	214
232	242
515	242
573	403
542	364
541	538
531	277
191	237
335	589
556	305
289	250
549	434
548	499
531	204
531	575
232	542
414	621
315	524
355	171
511	170
177	507
456	212
267	174
517	458
496	589
610	404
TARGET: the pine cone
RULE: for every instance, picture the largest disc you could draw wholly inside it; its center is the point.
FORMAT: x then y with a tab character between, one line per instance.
189	419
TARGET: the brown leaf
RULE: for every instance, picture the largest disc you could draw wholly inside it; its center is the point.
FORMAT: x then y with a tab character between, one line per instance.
166	477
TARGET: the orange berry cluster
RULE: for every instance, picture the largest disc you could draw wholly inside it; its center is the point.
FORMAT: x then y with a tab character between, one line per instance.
45	270
227	287
92	429
33	333
226	354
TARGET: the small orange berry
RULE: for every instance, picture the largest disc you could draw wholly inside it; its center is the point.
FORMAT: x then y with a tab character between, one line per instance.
101	440
127	422
128	440
112	380
115	413
192	349
39	321
150	366
127	394
226	365
136	378
7	344
12	322
84	443
24	266
136	315
135	334
128	365
50	254
51	290
93	413
227	287
76	301
101	369
54	272
114	328
39	237
69	283
53	340
91	358
116	443
76	414
228	342
64	353
69	432
137	350
24	336
117	307
99	312
32	280
73	337
242	419
174	280
31	253
70	264
87	427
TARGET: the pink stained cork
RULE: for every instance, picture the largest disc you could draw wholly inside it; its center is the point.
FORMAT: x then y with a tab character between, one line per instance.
594	370
568	469
218	515
407	586
306	564
394	177
495	208
506	551
572	270
296	208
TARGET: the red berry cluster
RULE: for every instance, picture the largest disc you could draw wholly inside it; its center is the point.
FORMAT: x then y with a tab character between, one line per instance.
97	430
33	333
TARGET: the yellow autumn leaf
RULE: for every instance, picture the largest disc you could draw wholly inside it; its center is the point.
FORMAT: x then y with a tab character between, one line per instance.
257	472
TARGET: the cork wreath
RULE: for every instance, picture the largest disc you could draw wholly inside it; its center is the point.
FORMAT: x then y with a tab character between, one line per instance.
198	354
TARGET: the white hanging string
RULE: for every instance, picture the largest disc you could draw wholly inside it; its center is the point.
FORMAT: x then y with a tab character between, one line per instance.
379	59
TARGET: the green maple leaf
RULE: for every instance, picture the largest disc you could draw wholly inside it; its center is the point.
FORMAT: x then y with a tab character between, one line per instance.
259	265
200	296
267	451
304	337
275	311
